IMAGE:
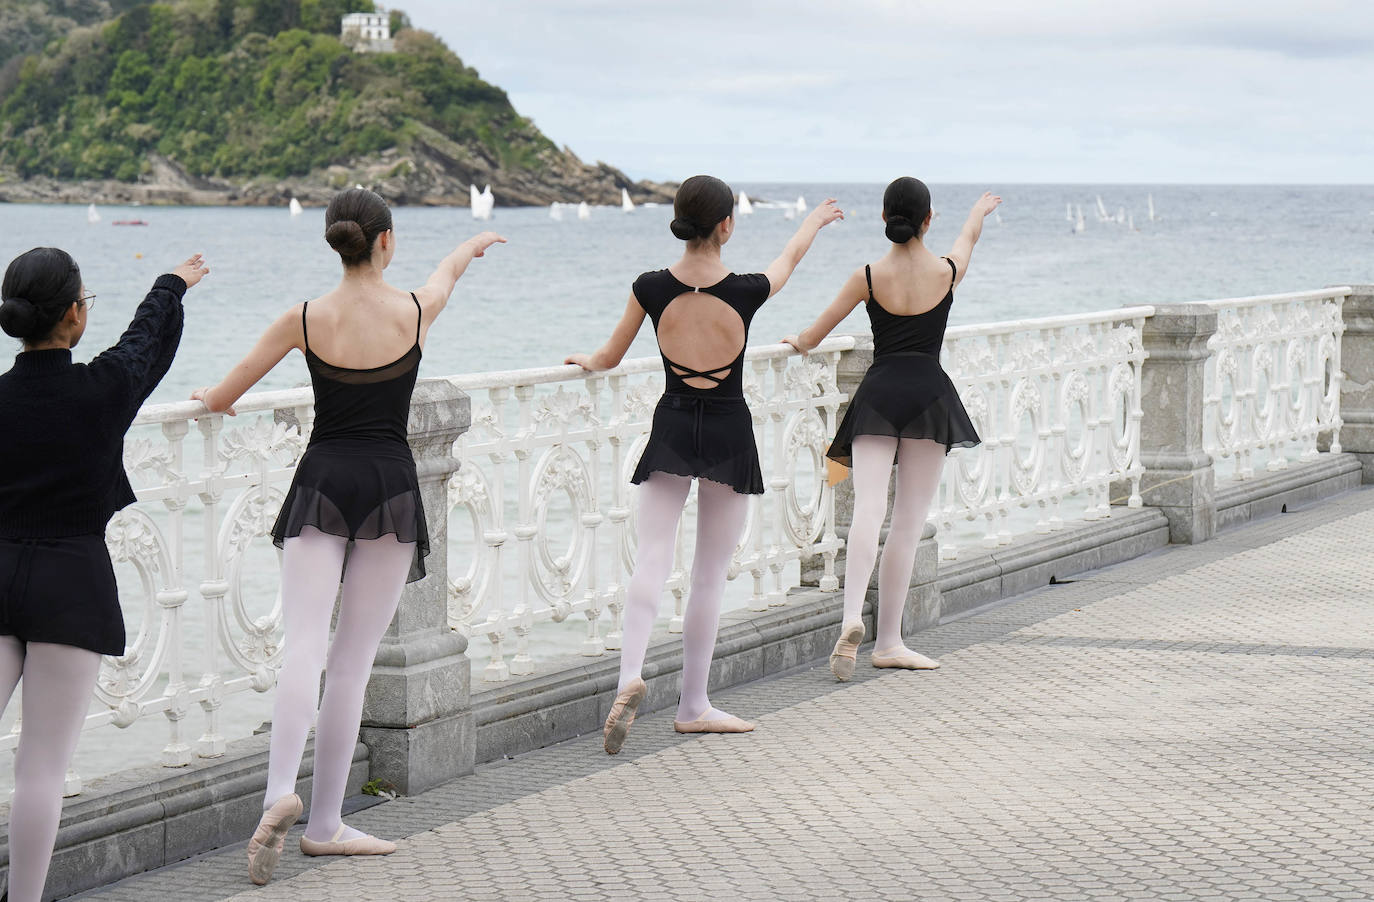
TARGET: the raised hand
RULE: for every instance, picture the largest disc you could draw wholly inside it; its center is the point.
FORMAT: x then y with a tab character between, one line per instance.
480	243
192	271
826	213
987	203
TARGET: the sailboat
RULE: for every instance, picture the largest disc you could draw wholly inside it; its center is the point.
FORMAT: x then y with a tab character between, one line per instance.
584	212
1150	202
1078	221
789	212
92	214
555	212
295	207
482	202
1068	212
745	207
625	203
1101	210
1130	222
801	204
1121	214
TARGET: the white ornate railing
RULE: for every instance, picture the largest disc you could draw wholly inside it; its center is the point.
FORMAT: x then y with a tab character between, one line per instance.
544	436
1057	404
1273	380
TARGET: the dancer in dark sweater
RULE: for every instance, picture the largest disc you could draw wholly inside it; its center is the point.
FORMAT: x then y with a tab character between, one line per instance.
61	480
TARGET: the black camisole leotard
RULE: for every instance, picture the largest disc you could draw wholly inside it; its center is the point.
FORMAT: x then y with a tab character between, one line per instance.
357	477
707	433
906	393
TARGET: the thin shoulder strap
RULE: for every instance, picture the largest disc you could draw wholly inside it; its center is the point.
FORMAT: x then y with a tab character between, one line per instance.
868	276
419	316
305	332
953	273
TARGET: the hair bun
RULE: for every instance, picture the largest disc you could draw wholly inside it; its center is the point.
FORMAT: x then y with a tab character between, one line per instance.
899	229
347	237
686	229
18	317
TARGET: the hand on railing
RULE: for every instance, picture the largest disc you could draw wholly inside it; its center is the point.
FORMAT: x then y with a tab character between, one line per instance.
199	395
582	360
796	342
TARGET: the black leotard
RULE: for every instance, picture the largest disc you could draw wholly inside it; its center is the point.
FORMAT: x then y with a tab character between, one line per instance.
906	393
704	432
357	477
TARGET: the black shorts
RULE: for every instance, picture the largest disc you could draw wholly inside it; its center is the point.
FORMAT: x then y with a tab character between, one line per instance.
61	591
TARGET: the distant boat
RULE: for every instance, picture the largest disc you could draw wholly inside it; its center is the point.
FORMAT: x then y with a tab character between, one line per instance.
789	212
584	212
745	207
801	204
482	202
129	222
1130	222
1150	202
1078	221
295	207
625	203
1121	214
92	214
1101	210
1068	212
555	212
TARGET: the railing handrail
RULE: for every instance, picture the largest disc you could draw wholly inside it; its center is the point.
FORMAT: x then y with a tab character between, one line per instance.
1342	291
1050	322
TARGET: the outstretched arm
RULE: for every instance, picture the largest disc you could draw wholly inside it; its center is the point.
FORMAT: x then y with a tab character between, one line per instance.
434	295
283	335
613	351
971	232
850	296
781	269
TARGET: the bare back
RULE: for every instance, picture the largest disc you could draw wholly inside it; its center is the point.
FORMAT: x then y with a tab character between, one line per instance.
907	284
353	329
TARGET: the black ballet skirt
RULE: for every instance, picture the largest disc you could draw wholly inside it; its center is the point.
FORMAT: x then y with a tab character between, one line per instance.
704	433
906	393
357	477
62	591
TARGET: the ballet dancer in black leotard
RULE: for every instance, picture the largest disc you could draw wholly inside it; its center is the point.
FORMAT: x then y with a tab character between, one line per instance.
905	407
61	480
702	430
355	490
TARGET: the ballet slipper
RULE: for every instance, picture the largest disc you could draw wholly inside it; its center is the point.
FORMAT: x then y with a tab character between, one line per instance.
361	845
727	724
905	659
846	652
622	715
265	848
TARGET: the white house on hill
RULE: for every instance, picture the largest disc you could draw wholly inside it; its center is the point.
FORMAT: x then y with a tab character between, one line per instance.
368	31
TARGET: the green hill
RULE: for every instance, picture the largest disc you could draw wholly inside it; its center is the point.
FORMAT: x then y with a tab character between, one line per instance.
233	93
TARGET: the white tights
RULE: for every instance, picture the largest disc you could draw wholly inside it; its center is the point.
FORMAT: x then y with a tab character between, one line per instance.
310	567
58	681
721	512
919	463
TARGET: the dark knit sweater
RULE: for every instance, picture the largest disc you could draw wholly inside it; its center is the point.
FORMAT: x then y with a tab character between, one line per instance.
62	424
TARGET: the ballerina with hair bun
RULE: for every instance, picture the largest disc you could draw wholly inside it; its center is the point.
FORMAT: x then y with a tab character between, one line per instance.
905	408
702	431
355	492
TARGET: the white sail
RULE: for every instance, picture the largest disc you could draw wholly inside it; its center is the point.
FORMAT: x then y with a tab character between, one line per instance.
1120	214
1068	212
1130	221
584	211
482	202
555	212
801	204
625	203
1078	221
92	214
295	207
745	207
1150	202
789	212
1101	210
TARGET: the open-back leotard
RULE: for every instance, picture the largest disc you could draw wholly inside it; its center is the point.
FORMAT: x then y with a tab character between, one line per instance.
357	477
905	392
706	433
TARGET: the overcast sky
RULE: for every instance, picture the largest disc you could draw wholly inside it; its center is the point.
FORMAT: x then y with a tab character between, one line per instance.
979	90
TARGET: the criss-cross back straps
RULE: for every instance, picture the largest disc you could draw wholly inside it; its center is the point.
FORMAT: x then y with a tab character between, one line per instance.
686	372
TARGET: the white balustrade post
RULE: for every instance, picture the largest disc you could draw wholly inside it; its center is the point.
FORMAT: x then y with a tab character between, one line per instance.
1178	477
1350	427
417	715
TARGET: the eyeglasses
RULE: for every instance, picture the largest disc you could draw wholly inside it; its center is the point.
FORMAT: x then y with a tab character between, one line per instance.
88	301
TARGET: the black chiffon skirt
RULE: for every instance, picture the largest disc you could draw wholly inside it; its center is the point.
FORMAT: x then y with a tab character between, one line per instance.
906	395
357	489
61	591
706	438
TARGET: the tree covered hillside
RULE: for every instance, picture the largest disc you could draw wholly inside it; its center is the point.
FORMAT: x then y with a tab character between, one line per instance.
236	89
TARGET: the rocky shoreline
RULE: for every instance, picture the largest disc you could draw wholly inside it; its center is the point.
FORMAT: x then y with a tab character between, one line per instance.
430	171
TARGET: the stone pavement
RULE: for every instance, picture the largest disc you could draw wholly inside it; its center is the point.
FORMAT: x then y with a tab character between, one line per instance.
1192	725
